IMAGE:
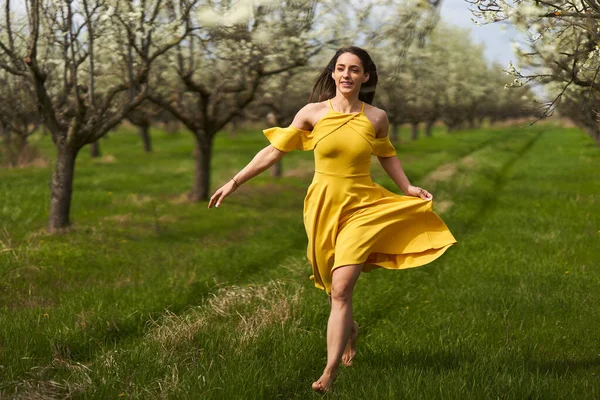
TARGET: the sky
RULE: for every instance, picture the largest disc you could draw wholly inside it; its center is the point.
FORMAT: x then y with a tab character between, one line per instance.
497	41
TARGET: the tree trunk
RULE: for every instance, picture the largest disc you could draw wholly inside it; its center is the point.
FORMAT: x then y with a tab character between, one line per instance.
62	188
6	138
428	128
172	127
233	128
395	132
144	132
414	130
202	156
276	170
95	149
479	123
21	152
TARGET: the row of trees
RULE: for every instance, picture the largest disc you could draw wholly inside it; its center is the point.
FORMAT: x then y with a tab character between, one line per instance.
562	52
81	68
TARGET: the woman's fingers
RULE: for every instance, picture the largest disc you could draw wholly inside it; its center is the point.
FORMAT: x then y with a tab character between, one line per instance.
424	194
214	199
218	197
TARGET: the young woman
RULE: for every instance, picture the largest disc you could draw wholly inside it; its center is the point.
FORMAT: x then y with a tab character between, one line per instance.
352	223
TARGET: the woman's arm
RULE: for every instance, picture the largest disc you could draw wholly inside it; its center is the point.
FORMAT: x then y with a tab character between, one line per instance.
261	162
393	168
263	159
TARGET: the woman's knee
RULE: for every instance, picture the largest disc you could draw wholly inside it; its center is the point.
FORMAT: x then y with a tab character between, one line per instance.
342	285
341	291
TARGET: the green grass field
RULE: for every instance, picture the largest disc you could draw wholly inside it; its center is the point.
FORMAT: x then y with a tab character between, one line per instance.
150	296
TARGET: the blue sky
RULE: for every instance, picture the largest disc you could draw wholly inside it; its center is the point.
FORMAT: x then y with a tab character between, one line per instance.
497	41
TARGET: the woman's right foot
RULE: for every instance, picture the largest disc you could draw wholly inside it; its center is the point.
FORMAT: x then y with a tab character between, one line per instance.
350	350
324	384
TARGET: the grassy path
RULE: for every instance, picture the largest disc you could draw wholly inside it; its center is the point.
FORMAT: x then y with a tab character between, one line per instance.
508	313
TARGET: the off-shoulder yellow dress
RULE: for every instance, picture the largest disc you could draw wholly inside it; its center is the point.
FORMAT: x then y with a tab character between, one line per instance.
349	219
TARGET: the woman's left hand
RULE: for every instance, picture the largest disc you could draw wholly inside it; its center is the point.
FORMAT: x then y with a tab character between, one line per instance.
418	192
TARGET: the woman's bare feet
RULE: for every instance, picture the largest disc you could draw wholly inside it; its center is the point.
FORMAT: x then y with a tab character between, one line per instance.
350	350
325	383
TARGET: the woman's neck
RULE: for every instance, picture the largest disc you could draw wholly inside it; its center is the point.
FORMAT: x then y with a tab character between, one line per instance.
346	105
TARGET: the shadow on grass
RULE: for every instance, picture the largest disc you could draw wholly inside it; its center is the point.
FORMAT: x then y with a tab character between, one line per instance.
397	358
563	367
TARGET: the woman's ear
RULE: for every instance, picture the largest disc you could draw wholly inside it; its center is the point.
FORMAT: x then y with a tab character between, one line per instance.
367	76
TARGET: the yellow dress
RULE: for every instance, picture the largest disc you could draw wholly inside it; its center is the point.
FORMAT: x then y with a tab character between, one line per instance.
349	219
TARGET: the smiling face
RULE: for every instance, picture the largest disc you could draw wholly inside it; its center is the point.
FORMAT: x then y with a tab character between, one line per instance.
349	73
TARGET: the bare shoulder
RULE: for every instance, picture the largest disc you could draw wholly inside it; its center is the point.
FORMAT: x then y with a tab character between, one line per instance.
309	115
379	119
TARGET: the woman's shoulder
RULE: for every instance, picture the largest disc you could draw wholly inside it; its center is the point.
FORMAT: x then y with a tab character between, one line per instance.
376	112
307	117
378	118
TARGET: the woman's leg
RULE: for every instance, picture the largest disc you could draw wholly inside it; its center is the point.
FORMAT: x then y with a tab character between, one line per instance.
340	322
350	350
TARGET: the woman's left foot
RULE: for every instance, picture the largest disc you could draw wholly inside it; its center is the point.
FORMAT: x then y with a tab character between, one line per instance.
350	350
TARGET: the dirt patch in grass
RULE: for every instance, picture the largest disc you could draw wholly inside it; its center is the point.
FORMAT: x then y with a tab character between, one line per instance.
469	162
443	206
182	198
121	219
139	199
30	156
441	173
105	159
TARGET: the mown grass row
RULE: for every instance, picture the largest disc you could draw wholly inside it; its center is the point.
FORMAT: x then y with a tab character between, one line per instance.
503	314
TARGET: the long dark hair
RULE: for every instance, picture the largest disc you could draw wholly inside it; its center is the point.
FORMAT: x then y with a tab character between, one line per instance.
324	86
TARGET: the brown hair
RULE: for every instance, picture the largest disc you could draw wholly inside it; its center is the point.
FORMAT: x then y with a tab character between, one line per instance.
324	86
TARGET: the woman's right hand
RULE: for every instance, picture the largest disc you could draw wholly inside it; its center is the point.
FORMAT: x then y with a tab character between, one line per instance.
222	192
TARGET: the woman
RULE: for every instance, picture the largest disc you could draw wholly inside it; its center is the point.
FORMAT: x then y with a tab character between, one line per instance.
352	224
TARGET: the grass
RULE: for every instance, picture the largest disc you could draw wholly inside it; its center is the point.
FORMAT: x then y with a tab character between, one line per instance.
149	296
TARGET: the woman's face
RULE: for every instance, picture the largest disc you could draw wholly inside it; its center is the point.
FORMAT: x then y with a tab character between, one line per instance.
349	73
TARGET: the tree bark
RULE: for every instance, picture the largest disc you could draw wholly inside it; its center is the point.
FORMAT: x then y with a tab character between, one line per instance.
6	138
429	128
202	158
144	132
95	149
62	188
471	123
276	170
233	128
21	152
414	130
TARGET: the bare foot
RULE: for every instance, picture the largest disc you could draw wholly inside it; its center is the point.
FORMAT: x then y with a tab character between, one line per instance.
324	384
350	350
